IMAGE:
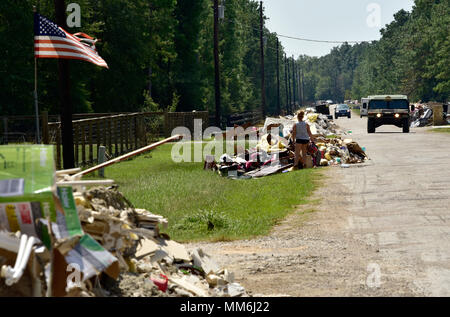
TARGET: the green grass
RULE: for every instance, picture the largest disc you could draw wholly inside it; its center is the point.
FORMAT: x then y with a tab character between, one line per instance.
94	152
443	130
357	111
79	160
201	205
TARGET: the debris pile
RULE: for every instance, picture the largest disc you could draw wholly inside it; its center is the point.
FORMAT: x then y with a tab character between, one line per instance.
319	124
433	113
58	240
133	236
272	154
421	116
336	151
274	149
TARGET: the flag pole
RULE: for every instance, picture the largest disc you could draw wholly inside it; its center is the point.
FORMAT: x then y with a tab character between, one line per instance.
36	105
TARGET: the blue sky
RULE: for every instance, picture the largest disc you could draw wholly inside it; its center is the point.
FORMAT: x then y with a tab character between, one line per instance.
335	20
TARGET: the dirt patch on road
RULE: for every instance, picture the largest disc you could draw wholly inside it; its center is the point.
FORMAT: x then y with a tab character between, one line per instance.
311	253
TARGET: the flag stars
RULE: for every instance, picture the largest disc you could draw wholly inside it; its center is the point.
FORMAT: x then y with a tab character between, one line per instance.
48	32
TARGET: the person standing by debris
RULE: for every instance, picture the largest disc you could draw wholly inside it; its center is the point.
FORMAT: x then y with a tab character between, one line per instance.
301	135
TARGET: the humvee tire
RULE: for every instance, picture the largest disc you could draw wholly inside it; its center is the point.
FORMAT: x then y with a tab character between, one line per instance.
405	126
349	115
370	126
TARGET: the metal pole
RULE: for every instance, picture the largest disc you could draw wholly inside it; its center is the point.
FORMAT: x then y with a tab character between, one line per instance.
217	64
263	84
66	100
278	77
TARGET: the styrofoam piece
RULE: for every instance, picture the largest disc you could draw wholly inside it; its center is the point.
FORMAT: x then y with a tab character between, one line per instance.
13	275
9	243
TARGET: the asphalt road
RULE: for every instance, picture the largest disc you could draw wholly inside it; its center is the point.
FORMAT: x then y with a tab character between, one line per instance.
400	201
381	228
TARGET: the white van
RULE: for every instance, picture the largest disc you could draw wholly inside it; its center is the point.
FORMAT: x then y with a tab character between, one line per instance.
364	107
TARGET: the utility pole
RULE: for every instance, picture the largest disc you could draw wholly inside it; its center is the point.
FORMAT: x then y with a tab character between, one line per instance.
278	77
263	83
150	70
297	97
217	63
297	83
294	84
35	95
289	85
303	87
286	82
298	86
66	100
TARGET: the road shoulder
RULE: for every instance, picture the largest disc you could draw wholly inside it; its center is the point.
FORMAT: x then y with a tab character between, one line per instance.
314	254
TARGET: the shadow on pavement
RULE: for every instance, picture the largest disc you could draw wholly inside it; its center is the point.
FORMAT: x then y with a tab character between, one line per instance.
394	132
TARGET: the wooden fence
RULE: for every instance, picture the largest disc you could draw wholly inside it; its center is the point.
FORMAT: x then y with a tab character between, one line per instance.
22	129
251	117
246	117
119	134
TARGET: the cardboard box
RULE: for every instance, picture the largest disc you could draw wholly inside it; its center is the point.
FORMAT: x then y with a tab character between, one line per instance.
309	161
26	188
86	253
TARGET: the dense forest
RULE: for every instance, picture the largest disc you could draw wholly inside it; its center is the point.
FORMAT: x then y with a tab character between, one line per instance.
160	56
411	58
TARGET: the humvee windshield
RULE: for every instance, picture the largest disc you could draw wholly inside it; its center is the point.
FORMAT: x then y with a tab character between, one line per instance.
393	104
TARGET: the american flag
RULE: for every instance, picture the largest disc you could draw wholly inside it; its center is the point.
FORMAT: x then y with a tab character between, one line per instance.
51	41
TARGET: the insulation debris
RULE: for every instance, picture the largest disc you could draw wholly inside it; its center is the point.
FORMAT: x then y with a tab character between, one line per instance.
58	240
432	113
274	149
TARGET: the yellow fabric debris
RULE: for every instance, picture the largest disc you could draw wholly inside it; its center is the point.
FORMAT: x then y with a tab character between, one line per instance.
312	117
275	144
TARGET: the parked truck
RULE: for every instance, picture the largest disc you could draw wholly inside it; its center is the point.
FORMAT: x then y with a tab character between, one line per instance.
364	106
324	108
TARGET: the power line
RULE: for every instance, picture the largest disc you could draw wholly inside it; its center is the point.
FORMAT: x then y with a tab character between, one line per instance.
319	41
298	38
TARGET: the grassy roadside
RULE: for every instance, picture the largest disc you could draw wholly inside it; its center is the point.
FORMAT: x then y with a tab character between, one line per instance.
200	205
357	111
442	130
